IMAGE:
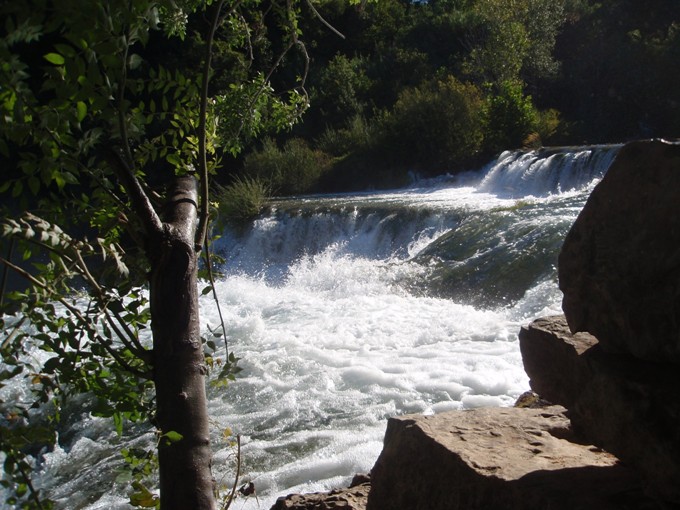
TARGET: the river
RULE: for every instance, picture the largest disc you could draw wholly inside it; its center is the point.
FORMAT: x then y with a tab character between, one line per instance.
349	309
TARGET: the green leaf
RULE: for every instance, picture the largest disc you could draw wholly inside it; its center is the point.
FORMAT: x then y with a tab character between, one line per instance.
81	108
143	497
173	436
34	184
135	61
54	58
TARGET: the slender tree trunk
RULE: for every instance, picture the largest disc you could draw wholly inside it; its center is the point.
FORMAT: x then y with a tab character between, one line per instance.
186	481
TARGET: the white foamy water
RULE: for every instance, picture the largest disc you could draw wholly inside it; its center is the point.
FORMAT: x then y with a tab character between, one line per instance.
320	304
337	349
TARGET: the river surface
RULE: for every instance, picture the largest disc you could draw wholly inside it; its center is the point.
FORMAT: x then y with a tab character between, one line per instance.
349	309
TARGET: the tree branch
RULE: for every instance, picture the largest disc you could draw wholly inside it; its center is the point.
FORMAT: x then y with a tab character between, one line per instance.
331	27
140	200
123	164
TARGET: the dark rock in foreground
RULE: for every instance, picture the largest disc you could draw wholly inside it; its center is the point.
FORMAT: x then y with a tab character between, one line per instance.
620	403
619	267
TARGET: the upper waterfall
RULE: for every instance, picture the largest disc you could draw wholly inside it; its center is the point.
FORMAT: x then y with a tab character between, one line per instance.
399	224
548	170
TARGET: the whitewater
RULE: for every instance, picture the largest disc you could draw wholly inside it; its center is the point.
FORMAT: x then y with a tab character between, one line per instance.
331	305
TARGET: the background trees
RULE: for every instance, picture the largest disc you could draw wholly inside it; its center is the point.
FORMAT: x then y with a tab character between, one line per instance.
565	72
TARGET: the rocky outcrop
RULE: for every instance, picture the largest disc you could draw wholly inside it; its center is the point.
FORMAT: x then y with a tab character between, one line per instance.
619	268
625	405
497	458
613	360
351	498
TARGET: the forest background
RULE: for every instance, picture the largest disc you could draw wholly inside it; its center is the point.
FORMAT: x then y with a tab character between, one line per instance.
442	86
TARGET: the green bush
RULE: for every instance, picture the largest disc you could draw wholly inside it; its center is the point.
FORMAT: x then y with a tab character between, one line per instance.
436	126
509	117
293	170
243	199
357	136
343	89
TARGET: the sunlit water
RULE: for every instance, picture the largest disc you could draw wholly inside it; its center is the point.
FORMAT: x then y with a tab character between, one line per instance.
326	302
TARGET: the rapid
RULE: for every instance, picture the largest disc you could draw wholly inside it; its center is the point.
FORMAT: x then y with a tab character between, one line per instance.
348	309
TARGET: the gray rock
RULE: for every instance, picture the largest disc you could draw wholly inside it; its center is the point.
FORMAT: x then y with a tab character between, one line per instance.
352	498
497	458
619	267
624	405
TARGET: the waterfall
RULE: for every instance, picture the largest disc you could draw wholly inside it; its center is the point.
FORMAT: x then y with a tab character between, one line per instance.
398	224
548	170
348	309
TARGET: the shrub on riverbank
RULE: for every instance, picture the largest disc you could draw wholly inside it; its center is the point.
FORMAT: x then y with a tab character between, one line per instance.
294	169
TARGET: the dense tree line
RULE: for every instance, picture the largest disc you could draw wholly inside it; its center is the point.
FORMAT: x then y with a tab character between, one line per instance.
443	85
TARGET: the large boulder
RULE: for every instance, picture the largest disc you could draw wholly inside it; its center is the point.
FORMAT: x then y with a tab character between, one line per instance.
616	401
497	458
619	268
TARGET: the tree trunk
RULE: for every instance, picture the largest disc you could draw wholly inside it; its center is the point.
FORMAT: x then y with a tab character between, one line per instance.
179	368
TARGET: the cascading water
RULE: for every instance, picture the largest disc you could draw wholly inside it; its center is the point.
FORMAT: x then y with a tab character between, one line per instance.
349	309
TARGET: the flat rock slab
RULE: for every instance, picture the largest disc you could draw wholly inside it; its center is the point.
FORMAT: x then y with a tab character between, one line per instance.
497	458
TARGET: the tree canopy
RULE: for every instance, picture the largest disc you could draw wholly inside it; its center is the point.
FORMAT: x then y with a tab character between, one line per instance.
547	72
111	133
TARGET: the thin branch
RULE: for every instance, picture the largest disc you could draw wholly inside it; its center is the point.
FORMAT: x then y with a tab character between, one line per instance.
131	335
301	86
123	164
137	349
144	374
140	200
85	271
232	493
202	229
331	27
29	483
13	333
24	273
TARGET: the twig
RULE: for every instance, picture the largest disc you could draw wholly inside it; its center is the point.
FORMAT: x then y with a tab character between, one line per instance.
124	164
230	499
29	484
331	27
77	313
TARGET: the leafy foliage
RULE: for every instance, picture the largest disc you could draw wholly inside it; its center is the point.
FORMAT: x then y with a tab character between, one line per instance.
509	117
100	111
295	169
243	199
435	125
